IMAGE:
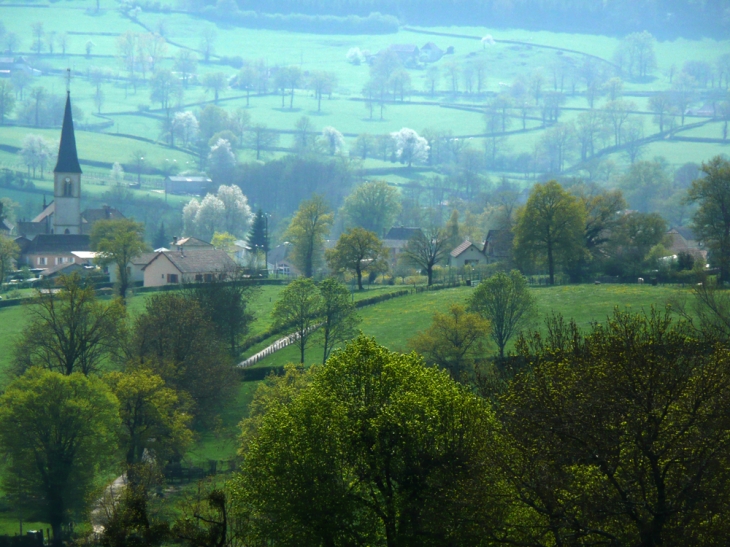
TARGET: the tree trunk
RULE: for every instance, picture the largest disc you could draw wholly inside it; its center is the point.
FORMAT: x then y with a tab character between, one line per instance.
359	278
551	263
429	273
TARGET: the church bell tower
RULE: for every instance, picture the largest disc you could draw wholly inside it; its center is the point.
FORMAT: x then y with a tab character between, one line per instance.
67	180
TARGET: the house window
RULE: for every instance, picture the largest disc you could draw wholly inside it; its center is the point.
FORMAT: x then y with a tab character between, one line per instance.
198	278
42	261
208	278
172	278
59	260
68	188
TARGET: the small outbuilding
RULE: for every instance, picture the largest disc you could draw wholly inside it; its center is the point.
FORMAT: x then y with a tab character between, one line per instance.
194	185
466	254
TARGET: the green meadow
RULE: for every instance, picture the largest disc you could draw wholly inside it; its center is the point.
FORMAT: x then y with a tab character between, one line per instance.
126	106
395	321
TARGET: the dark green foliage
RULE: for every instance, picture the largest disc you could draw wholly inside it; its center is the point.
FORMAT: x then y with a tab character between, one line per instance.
619	436
685	261
225	302
280	185
259	237
161	239
205	520
130	523
175	339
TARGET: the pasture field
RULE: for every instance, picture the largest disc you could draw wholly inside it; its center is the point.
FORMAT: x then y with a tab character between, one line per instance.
344	110
394	322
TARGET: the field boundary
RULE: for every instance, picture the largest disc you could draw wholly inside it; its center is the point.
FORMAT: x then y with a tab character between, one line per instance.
516	42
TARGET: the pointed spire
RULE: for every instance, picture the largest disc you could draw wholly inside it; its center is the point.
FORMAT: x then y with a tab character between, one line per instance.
68	159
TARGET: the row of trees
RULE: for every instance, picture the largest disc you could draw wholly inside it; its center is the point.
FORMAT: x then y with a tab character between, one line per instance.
580	230
556	227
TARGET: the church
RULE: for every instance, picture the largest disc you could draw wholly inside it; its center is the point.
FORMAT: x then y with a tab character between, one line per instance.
60	233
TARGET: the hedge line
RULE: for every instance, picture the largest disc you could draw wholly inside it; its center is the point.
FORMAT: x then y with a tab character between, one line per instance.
375	23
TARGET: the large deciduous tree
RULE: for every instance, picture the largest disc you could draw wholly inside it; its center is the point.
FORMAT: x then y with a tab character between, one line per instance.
175	339
549	227
358	251
58	432
455	341
388	452
307	230
619	436
225	302
632	238
426	248
299	306
374	206
337	312
153	416
711	221
69	330
226	211
9	252
410	146
117	242
505	301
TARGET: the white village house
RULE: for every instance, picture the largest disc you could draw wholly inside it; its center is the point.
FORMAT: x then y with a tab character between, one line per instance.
170	267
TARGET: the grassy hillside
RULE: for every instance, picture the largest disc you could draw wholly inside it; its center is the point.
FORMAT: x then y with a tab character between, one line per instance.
394	322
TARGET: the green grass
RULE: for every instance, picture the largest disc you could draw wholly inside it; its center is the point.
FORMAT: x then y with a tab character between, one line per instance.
394	322
12	322
98	146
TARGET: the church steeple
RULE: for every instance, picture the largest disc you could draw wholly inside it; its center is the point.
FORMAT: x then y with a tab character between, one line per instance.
68	159
67	180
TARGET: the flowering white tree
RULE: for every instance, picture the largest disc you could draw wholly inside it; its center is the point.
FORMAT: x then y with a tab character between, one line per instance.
221	161
410	146
237	217
185	126
355	56
226	211
209	216
117	173
333	141
37	152
190	211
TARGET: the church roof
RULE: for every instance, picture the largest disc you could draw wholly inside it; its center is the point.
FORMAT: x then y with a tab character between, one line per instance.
58	243
68	159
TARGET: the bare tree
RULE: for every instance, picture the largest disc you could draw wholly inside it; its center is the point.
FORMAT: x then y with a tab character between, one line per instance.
427	248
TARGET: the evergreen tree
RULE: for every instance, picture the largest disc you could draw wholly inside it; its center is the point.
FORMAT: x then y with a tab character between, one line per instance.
259	236
161	239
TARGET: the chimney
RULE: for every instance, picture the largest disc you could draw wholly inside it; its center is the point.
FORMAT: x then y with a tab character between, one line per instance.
174	240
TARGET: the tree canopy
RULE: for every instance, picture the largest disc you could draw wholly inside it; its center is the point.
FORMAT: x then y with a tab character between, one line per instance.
388	452
59	431
357	250
549	227
307	230
118	242
70	330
